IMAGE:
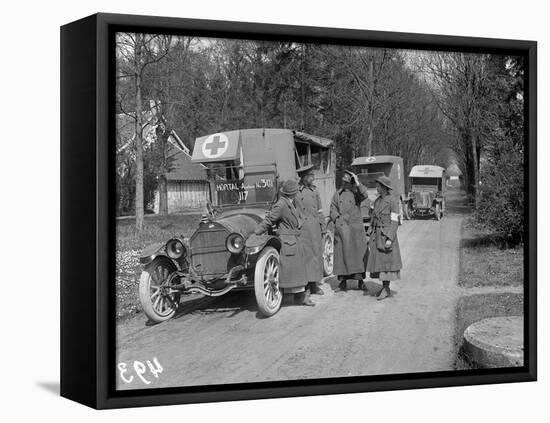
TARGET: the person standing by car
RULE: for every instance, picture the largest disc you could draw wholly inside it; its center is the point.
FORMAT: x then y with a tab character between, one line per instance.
350	241
286	217
384	255
313	229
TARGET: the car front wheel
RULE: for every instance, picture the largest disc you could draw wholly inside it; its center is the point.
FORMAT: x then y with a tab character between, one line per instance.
437	212
400	218
406	210
158	301
328	254
266	282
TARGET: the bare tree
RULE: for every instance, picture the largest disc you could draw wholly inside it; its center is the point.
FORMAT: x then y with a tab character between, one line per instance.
460	86
140	51
370	69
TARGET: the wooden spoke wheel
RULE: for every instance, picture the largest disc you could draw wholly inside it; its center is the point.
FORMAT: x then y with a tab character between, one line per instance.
266	282
158	300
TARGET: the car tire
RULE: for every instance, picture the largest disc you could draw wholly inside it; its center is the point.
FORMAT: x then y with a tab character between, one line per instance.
437	212
266	282
401	216
406	213
157	307
328	254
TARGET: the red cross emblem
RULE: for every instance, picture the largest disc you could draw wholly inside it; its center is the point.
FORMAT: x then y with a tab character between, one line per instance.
215	146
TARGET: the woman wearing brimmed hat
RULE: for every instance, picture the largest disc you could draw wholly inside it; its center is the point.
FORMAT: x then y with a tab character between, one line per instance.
287	219
350	241
384	262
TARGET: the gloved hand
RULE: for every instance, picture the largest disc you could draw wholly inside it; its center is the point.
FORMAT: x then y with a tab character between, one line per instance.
388	243
258	231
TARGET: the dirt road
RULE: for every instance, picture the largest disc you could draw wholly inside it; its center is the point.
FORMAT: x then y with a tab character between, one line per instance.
223	340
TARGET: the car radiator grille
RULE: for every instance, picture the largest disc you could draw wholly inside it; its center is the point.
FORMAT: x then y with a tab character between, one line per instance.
423	199
208	253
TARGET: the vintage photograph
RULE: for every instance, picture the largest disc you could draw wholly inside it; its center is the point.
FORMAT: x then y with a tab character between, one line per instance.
290	211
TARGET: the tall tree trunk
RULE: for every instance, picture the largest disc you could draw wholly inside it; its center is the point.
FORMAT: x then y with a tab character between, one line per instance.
162	139
370	137
303	117
475	170
139	136
370	123
472	174
163	195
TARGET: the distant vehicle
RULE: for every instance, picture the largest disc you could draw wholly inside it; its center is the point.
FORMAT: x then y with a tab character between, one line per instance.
245	169
427	195
369	169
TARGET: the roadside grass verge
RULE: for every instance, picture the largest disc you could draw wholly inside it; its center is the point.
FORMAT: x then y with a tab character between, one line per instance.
129	244
484	264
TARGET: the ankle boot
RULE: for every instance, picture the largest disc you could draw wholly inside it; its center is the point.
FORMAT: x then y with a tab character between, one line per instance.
303	299
342	286
385	291
314	289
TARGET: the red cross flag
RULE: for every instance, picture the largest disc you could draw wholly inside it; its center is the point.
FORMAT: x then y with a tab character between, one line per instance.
216	147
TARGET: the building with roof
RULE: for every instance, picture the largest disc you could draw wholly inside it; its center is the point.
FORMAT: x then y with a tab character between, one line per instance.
455	176
187	186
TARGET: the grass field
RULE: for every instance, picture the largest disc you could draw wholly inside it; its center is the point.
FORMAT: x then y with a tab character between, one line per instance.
484	263
129	245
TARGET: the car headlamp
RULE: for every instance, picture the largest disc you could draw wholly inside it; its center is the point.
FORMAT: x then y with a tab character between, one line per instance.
235	243
175	249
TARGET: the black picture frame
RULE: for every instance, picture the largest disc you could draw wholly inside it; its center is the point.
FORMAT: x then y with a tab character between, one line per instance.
87	188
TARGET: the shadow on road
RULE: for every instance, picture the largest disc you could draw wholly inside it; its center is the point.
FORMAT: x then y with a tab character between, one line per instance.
372	288
196	304
234	302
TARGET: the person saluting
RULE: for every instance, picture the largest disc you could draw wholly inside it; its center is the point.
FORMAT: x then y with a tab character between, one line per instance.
308	202
350	240
384	255
286	218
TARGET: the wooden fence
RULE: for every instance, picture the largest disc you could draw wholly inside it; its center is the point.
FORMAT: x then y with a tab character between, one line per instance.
185	196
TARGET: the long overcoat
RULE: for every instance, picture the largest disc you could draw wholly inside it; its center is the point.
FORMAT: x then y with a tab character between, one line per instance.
308	202
350	240
384	224
286	218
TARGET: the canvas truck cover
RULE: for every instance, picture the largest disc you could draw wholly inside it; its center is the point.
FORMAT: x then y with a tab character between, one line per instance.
362	161
427	171
217	147
258	148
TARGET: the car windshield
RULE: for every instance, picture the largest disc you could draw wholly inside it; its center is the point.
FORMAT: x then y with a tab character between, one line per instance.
235	186
419	184
369	179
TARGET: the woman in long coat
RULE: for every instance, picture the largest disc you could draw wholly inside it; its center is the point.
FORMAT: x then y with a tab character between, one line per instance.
309	204
350	241
286	217
384	260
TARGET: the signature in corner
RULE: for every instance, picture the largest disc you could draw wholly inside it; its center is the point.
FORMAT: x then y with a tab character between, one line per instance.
140	369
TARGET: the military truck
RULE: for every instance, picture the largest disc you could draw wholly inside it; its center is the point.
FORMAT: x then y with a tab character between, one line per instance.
369	169
427	195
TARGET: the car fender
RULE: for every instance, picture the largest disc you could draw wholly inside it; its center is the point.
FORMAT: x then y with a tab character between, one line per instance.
152	251
256	243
